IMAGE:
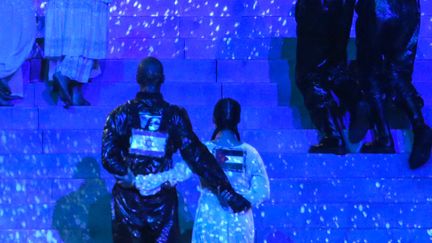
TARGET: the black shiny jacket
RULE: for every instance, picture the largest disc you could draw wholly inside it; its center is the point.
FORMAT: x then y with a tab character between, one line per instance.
142	135
175	123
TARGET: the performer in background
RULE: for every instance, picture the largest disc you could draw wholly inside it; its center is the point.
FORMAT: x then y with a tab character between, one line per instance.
215	222
75	38
323	29
17	36
387	36
140	138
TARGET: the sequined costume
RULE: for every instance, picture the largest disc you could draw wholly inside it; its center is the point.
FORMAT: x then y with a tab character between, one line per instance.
245	170
142	135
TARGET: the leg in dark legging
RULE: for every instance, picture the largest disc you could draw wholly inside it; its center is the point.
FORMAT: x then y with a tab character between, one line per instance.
400	62
382	139
370	29
322	32
410	102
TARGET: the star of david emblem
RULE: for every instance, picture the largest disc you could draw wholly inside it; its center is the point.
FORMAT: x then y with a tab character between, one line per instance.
149	143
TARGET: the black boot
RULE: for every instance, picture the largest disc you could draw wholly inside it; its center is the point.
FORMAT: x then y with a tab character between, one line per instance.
329	145
5	93
381	144
422	146
77	96
412	104
61	84
359	121
328	123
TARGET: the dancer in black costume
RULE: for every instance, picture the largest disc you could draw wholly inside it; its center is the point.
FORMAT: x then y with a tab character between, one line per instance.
140	137
323	29
387	36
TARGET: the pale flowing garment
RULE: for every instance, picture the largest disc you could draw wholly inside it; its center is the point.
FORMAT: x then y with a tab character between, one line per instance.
76	35
213	222
17	36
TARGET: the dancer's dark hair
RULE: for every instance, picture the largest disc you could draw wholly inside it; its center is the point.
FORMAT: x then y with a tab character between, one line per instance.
150	72
226	115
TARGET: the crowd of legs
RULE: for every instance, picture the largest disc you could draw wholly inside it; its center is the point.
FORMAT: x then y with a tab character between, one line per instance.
386	40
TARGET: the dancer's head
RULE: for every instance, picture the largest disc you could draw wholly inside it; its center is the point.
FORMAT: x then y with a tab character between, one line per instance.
150	74
226	116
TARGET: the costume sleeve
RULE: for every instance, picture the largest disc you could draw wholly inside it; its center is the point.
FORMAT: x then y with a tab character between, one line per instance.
114	145
259	182
196	154
151	183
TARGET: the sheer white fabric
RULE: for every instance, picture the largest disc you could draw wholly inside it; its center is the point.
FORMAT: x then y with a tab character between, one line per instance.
76	28
17	34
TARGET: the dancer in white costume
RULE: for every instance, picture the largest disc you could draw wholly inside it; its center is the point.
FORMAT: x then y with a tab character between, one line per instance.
17	36
76	37
245	170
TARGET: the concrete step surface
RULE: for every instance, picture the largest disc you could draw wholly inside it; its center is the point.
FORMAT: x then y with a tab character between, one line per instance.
89	140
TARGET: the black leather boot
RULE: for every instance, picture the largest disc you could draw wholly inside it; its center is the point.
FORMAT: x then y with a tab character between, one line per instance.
359	121
422	146
329	145
61	84
77	96
382	142
412	103
5	93
328	123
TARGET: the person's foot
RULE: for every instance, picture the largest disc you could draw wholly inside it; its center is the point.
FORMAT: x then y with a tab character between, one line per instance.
328	145
359	122
422	146
80	101
378	146
62	85
77	95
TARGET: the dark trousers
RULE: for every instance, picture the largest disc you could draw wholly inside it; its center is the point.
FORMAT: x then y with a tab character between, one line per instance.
387	34
139	219
323	29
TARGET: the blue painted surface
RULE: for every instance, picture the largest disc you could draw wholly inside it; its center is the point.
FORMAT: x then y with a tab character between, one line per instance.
52	186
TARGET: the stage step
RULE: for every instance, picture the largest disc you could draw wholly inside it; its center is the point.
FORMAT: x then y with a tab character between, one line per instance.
211	71
89	140
321	194
201	93
295	166
23	117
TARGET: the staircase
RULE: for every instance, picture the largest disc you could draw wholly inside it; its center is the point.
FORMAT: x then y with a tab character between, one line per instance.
52	185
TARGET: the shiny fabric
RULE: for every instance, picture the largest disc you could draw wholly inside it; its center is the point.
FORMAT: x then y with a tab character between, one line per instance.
153	218
214	223
387	36
386	39
323	29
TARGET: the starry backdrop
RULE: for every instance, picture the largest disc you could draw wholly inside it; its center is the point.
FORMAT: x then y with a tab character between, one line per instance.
53	188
